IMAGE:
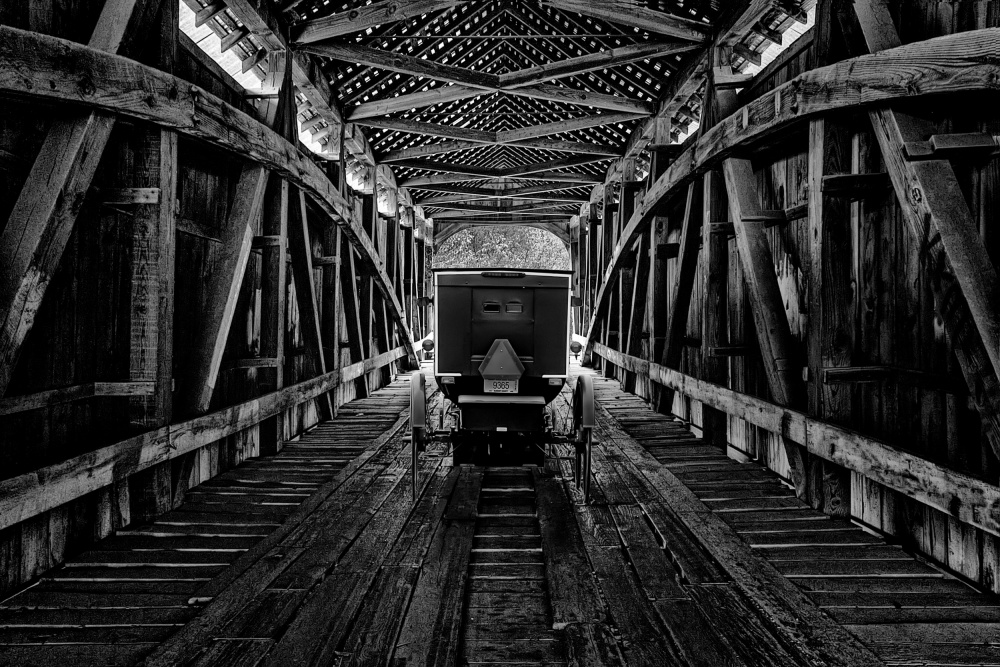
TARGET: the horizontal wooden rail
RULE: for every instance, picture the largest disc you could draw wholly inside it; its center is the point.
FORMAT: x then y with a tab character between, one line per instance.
43	399
962	62
39	491
970	500
45	67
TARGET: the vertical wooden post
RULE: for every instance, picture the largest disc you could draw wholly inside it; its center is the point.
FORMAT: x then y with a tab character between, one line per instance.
715	251
773	332
274	282
331	298
300	247
657	289
832	309
574	261
158	488
637	308
680	299
352	313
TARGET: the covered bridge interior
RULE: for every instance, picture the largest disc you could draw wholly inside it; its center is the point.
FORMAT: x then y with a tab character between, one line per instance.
218	220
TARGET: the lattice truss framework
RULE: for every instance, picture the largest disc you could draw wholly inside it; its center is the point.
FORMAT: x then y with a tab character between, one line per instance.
504	110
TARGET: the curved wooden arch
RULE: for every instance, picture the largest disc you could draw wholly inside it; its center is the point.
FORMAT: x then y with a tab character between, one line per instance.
42	66
48	67
962	62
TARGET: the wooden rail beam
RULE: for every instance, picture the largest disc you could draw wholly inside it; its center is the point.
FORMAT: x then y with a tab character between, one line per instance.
33	493
967	499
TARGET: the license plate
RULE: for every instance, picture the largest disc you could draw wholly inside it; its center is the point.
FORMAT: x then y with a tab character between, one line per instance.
500	386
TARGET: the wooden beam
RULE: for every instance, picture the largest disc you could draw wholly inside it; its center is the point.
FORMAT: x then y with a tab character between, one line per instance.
683	288
774	335
33	493
832	306
361	18
420	182
487	195
440	148
636	16
50	68
209	12
331	294
300	249
258	18
42	219
558	127
44	399
152	321
397	62
313	85
949	491
352	313
418	100
964	280
542	144
273	306
715	309
744	21
566	95
564	146
588	63
223	288
429	129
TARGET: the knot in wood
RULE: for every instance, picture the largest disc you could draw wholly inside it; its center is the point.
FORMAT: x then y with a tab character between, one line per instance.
86	86
353	14
916	195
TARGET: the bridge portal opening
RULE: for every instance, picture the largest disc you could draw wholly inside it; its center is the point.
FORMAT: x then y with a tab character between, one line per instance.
501	246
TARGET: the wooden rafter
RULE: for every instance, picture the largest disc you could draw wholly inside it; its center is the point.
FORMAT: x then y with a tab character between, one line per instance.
627	13
430	129
398	62
455	146
588	63
416	100
378	13
561	177
553	93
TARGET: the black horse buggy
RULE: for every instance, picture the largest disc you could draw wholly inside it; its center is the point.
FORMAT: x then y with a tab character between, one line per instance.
501	357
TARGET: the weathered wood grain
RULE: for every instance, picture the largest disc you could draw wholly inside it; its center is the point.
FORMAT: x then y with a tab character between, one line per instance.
968	499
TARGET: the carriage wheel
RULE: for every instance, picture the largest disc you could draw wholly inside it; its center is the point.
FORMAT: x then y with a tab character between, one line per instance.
583	431
418	423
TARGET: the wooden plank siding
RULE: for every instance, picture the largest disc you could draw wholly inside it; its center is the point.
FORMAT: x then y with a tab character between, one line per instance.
865	298
95	374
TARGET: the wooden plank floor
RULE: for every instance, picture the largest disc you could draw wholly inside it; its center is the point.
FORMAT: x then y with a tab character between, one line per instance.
113	604
907	611
319	556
